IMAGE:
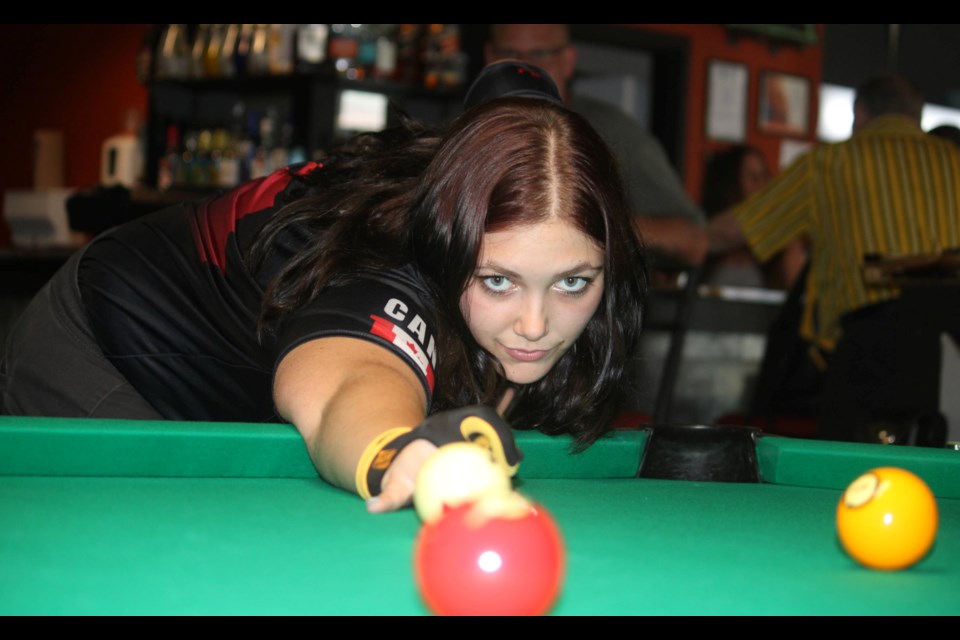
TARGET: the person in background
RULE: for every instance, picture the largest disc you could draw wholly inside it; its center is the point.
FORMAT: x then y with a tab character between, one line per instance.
374	300
671	224
889	190
733	174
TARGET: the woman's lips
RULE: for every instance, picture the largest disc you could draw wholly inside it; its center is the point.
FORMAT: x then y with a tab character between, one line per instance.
527	355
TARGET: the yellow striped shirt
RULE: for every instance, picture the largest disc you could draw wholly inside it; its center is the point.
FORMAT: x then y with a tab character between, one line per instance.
890	189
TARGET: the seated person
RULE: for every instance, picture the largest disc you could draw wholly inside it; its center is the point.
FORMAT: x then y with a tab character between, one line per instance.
887	190
732	175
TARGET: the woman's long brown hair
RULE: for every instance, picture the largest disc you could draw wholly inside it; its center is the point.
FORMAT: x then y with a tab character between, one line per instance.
409	196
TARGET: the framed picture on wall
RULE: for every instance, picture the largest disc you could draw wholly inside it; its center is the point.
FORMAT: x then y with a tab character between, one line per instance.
727	84
784	107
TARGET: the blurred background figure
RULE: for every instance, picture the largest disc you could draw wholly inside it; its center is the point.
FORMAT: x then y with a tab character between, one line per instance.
889	190
671	224
731	176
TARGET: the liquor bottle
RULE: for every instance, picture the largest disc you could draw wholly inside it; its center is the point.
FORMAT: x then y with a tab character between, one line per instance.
204	171
280	154
198	50
188	162
228	51
225	161
311	47
257	62
169	171
211	54
247	140
241	53
281	48
260	162
173	59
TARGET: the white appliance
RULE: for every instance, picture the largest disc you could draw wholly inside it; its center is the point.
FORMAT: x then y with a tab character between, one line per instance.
121	161
38	218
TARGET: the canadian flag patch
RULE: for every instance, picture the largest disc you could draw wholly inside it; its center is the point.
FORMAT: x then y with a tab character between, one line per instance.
399	337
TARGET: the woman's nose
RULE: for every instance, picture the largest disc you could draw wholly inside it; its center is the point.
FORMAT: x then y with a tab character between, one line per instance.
532	323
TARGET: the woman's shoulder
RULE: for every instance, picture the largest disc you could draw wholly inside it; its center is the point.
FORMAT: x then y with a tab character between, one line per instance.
405	278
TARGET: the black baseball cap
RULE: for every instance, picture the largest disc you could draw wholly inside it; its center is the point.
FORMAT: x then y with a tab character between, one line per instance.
511	78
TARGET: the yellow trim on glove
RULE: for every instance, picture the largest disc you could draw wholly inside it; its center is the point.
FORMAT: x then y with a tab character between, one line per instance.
371	457
479	431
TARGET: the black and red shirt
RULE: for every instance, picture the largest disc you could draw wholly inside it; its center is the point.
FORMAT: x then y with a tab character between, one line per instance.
174	307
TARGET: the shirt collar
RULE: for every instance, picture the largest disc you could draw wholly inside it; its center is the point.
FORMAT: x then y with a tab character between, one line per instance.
892	123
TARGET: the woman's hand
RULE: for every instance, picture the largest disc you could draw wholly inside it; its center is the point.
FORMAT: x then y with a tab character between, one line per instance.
479	424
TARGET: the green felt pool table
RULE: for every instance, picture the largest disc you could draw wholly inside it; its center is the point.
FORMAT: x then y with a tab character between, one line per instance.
165	518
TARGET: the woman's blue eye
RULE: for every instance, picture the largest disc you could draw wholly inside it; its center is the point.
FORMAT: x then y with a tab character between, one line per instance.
496	283
573	284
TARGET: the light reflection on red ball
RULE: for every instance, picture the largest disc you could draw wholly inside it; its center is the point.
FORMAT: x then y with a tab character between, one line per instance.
500	556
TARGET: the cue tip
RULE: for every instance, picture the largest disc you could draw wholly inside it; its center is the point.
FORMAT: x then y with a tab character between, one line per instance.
506	399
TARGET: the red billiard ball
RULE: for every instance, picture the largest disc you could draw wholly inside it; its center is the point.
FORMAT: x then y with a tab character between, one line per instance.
887	519
501	555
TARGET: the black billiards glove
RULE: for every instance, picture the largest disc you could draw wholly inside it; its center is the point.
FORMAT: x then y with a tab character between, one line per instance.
479	424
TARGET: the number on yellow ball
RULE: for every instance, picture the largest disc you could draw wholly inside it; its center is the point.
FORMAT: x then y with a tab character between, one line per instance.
887	519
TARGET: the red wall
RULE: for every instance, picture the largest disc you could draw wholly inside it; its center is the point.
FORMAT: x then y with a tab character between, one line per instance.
711	41
80	79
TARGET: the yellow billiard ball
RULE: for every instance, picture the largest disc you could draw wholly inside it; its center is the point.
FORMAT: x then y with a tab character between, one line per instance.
887	519
454	474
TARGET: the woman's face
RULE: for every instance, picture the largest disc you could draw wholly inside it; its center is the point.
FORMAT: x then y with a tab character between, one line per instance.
753	174
535	289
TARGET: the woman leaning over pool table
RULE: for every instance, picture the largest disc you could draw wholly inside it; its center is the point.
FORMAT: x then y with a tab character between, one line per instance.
371	300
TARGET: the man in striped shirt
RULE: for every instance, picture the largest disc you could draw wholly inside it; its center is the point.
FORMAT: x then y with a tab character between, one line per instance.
891	190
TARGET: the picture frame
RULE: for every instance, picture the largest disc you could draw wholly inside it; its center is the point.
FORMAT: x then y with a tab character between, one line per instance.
784	104
727	90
